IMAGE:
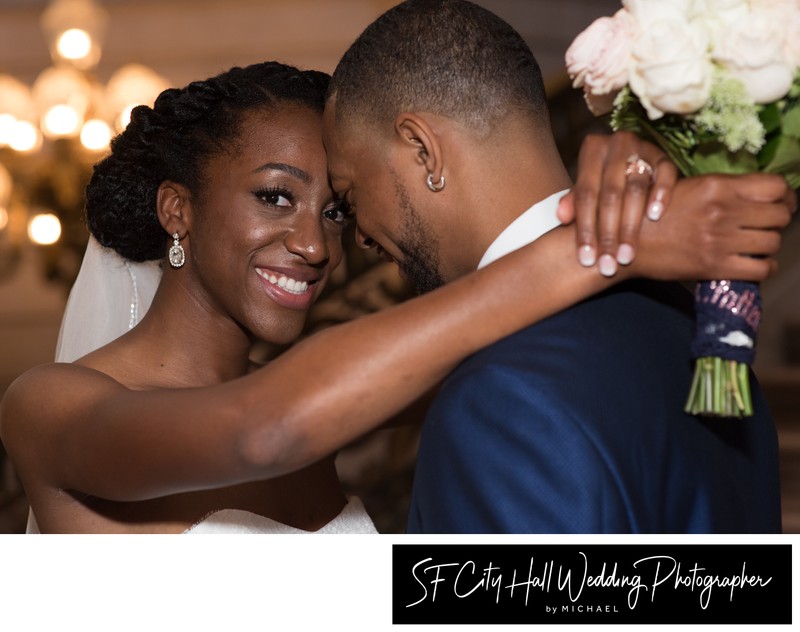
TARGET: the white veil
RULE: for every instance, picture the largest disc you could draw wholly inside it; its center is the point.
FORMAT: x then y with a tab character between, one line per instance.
109	297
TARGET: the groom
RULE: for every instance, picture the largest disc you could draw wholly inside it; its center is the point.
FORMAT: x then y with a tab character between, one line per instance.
438	134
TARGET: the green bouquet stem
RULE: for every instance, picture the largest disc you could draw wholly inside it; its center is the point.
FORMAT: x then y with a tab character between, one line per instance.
720	388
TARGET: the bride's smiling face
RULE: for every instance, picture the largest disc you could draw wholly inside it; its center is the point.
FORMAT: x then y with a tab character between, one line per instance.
265	229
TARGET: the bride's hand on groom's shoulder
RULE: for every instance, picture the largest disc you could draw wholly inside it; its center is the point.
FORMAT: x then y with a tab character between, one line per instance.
621	179
718	227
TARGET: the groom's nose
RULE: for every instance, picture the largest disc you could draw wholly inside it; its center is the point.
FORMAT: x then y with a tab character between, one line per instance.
363	240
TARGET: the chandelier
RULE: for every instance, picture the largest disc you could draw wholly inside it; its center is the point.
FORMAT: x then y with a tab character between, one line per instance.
54	130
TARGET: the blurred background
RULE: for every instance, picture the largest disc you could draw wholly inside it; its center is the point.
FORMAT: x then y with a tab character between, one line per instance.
70	70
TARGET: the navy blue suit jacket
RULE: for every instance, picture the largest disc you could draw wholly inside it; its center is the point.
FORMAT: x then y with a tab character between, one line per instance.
576	425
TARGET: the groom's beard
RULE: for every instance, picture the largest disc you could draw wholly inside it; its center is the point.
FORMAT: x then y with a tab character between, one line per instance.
421	271
420	248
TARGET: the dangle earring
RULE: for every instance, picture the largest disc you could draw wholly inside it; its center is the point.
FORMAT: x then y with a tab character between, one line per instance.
177	255
435	187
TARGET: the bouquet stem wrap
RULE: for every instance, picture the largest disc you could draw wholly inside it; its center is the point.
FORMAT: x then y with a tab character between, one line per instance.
727	316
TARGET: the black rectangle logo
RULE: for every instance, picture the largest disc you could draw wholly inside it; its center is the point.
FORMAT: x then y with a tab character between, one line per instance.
602	584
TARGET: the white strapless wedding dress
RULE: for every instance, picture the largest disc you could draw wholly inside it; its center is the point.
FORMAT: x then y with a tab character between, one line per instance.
352	519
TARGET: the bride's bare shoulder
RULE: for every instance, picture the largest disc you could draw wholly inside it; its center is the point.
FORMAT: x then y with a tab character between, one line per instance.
49	390
55	373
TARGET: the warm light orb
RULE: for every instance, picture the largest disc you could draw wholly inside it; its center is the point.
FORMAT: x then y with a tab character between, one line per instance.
7	124
3	218
25	137
74	30
61	95
61	120
132	85
74	44
44	229
95	135
15	100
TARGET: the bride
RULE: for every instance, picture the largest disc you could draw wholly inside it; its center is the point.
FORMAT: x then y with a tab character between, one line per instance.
168	427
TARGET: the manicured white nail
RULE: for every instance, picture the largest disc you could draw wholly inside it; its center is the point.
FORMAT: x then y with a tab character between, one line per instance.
655	210
607	265
625	254
587	256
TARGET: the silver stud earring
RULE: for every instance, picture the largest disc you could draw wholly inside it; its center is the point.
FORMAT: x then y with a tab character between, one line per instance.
177	256
435	187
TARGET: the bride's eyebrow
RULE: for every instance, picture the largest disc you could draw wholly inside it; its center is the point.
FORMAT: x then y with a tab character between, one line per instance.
282	166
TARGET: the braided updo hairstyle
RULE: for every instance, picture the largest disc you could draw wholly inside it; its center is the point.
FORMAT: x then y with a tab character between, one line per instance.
173	140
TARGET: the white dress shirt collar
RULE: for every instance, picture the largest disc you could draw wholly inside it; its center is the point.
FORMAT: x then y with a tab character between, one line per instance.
527	228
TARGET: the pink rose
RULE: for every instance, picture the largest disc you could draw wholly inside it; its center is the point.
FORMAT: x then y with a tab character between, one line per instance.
599	58
600	104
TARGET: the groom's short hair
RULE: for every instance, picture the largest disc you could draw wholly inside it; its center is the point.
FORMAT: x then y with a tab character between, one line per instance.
447	57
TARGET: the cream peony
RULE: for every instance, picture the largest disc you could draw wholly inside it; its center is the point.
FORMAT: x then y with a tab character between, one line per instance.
753	49
672	71
599	59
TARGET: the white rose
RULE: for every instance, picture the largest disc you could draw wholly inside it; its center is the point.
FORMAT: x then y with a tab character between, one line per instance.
753	49
719	13
716	16
672	70
646	12
600	56
720	6
792	44
780	5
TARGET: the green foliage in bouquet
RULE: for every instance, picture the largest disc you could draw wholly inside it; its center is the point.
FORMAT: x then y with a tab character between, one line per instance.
729	134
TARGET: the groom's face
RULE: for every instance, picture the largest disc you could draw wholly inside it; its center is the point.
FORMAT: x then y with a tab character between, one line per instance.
389	217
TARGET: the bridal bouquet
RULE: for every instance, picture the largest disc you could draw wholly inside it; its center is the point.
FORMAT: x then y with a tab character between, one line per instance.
715	84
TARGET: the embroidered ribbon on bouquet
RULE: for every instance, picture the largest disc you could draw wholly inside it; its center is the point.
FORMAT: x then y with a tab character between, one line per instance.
715	84
727	315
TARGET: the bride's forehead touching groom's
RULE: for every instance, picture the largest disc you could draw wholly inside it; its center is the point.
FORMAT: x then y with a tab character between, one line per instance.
266	230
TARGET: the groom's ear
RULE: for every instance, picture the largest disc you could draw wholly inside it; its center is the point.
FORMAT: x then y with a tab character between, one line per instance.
173	207
417	133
